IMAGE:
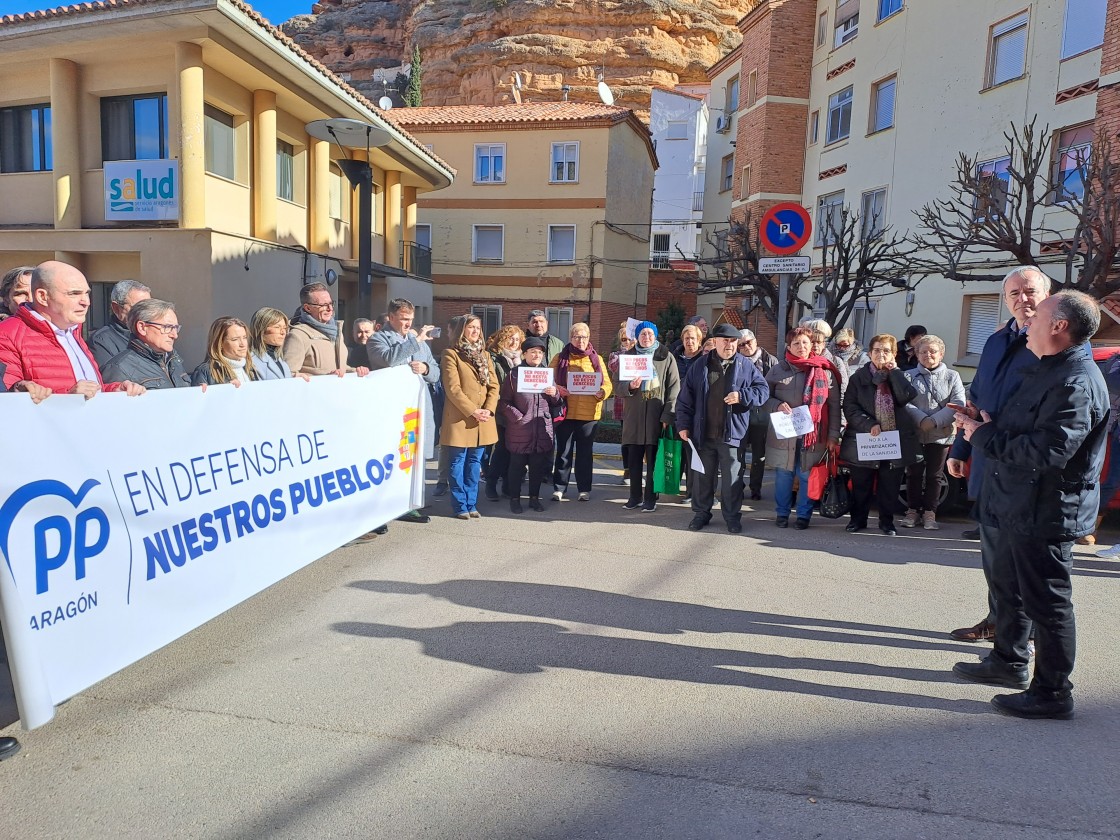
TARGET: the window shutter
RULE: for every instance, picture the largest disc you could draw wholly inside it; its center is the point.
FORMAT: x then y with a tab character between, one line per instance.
1084	27
983	320
1009	50
884	105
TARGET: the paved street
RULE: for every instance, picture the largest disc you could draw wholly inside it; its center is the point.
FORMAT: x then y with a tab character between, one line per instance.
589	672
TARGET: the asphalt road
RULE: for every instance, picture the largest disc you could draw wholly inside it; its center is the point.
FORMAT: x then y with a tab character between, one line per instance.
583	673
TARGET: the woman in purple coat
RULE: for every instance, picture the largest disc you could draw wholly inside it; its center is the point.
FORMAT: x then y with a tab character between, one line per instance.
529	432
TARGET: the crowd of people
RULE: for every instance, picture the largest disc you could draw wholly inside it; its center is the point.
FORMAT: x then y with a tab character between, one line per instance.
523	407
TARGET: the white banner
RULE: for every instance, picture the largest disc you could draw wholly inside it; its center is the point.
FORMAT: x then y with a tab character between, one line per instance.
135	520
883	447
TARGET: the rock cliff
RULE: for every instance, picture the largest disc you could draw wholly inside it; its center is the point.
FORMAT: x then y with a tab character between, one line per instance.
471	48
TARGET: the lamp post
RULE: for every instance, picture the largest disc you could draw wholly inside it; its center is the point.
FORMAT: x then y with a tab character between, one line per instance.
355	134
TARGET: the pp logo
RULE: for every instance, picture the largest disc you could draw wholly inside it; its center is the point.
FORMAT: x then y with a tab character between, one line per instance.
56	537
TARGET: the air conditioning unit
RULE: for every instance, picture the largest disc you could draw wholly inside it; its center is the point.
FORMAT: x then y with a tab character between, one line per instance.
723	124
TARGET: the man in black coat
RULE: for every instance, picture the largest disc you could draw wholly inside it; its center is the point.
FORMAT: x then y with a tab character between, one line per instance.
1043	459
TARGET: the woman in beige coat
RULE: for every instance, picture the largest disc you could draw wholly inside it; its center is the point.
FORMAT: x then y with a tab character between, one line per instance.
471	391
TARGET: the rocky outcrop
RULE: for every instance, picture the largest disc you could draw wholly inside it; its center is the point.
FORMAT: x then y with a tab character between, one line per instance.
471	48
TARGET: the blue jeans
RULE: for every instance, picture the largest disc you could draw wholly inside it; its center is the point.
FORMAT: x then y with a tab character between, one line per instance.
783	492
466	464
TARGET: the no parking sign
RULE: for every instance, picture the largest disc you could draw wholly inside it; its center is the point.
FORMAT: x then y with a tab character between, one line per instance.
785	228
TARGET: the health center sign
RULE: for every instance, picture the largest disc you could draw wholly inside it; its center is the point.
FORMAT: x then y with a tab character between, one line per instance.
142	190
133	520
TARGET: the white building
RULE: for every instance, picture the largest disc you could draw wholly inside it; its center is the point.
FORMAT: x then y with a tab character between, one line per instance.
679	125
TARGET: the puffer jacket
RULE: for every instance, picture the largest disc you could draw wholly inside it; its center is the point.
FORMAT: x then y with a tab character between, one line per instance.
936	388
109	341
528	420
584	406
787	385
145	366
32	352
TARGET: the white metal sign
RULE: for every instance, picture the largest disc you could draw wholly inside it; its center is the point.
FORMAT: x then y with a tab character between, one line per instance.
785	265
142	190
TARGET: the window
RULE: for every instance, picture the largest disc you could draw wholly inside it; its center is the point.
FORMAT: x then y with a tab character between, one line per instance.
814	127
220	142
134	127
559	320
983	320
565	163
1007	51
677	130
424	235
659	252
745	183
839	116
490	164
882	105
847	22
488	243
830	217
1072	150
731	105
285	171
25	139
994	183
1084	26
726	173
561	243
873	214
491	319
888	8
339	192
822	29
752	88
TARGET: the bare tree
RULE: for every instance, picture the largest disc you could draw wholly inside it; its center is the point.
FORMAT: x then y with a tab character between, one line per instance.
1093	250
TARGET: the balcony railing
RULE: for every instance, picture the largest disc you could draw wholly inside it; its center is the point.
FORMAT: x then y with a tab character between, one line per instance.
698	201
416	259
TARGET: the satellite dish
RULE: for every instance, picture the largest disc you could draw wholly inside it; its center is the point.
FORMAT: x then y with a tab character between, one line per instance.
605	93
385	103
350	134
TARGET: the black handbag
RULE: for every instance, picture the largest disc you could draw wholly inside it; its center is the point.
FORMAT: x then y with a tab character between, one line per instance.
837	498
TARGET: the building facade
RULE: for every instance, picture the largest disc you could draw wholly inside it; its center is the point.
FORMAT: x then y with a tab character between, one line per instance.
208	104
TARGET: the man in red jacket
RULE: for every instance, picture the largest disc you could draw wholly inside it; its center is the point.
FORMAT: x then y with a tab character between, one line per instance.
42	342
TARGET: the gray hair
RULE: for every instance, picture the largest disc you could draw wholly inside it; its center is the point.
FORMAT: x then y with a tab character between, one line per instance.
817	325
845	332
119	295
537	313
307	291
150	309
1025	271
745	335
929	339
1080	312
697	319
361	322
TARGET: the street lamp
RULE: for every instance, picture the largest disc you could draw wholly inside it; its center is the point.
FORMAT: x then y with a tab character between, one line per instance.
355	134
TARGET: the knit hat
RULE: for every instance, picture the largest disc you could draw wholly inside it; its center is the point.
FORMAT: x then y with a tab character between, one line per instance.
645	325
531	342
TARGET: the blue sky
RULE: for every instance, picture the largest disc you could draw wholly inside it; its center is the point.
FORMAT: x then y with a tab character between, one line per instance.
277	11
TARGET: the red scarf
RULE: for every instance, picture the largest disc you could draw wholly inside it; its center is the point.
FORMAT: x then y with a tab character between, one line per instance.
816	392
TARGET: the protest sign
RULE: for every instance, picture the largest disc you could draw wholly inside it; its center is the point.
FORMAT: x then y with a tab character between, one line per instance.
694	461
533	380
631	328
202	500
794	424
884	446
580	382
633	366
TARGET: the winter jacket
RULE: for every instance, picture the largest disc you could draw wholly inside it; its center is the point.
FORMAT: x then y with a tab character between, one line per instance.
584	406
936	388
859	410
787	385
109	341
764	362
644	412
32	352
268	366
308	350
855	358
528	421
145	366
503	367
387	348
692	401
203	376
464	394
1044	453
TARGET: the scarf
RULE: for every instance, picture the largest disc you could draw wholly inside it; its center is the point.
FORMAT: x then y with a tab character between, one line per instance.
329	329
478	357
513	357
816	392
566	358
884	399
648	384
849	355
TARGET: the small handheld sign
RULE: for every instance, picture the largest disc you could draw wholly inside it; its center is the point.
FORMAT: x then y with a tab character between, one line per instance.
531	380
882	447
580	382
632	366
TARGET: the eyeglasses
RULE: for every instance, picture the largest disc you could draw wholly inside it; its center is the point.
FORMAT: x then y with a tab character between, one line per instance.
321	305
881	351
166	329
843	346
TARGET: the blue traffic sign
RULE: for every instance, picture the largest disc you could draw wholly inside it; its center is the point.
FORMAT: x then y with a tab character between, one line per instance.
785	228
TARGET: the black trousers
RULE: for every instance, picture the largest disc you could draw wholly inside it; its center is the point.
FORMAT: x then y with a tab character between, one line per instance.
1031	583
581	456
638	455
538	464
498	467
923	478
755	442
886	497
721	458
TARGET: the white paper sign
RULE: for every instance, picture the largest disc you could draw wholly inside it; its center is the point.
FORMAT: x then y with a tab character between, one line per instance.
795	424
108	553
581	382
633	366
885	447
632	328
532	380
696	464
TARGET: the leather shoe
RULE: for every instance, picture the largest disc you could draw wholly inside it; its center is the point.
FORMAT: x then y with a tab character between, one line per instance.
755	496
8	747
993	673
888	530
982	632
415	516
782	521
854	527
697	523
440	491
971	534
801	524
1034	706
735	527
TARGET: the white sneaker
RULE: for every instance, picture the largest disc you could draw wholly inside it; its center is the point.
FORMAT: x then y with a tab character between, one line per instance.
558	496
909	520
585	497
929	521
1112	552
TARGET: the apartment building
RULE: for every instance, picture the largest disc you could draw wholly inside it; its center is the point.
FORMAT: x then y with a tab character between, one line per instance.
166	141
554	213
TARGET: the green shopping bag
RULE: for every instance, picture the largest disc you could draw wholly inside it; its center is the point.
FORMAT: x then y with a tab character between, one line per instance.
668	466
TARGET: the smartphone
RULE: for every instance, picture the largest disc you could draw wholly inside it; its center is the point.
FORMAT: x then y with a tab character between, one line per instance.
435	332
